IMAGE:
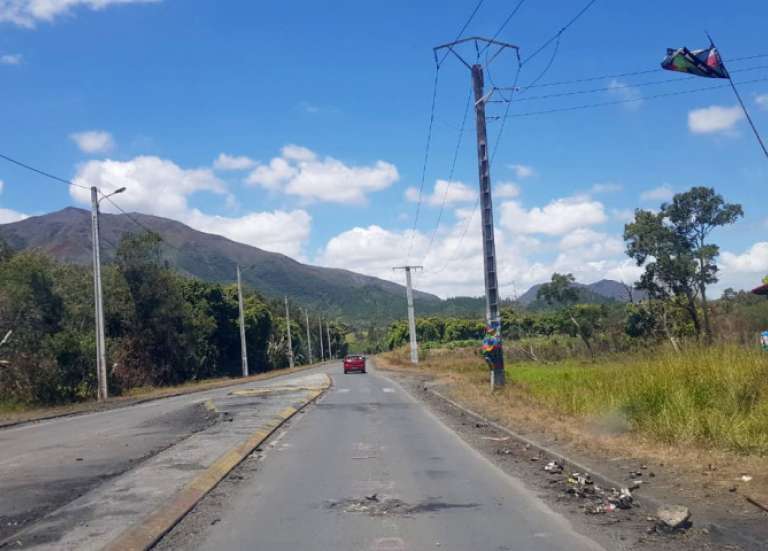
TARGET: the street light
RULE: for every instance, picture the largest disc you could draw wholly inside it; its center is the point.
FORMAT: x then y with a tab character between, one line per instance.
101	354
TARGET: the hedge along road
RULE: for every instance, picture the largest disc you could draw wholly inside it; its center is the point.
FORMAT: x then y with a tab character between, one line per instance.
48	464
369	468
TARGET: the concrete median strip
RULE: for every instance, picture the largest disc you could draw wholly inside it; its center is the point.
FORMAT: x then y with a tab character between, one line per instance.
152	498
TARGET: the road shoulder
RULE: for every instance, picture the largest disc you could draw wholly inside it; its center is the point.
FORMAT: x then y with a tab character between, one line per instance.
136	509
525	458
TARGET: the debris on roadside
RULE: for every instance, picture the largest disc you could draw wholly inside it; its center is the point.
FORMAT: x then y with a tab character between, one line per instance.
672	518
496	438
745	478
554	467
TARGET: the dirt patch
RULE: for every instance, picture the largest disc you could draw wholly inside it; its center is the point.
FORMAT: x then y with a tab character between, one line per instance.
598	509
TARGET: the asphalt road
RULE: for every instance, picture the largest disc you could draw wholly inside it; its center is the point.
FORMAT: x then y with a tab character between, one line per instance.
369	468
47	464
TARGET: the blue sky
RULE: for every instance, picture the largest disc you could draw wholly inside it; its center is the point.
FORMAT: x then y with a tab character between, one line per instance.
300	127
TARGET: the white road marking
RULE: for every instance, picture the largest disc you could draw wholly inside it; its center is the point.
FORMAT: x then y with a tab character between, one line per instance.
342	390
387	389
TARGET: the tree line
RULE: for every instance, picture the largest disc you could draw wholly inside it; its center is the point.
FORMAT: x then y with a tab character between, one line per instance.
679	262
162	328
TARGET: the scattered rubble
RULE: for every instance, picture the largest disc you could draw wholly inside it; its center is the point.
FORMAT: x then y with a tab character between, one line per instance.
554	467
672	518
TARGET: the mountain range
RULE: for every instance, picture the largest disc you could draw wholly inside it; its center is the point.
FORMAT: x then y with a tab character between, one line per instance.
353	297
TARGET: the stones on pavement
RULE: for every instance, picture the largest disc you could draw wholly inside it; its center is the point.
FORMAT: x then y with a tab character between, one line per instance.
672	518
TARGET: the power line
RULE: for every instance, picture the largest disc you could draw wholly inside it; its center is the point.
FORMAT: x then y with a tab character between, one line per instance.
614	87
430	127
560	32
464	27
426	161
451	172
628	74
506	22
631	100
41	172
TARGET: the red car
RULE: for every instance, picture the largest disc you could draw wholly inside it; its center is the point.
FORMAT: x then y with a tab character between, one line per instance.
354	363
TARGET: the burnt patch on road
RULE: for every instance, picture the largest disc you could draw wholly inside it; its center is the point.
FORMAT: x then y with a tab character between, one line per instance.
377	506
35	495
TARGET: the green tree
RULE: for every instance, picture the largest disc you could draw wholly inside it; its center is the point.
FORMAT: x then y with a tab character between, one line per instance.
693	216
584	319
672	245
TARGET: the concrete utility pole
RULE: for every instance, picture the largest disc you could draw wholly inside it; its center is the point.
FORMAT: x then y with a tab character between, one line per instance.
243	346
101	353
496	357
101	343
411	312
328	332
309	338
322	352
288	326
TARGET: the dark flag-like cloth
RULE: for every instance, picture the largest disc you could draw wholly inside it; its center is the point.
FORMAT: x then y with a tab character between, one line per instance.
703	63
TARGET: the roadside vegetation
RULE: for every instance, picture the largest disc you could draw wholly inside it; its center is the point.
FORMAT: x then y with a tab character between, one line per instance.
162	328
670	364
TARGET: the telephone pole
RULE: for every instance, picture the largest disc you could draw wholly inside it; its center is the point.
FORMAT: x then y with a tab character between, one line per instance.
288	325
328	332
322	352
309	338
411	312
241	318
495	354
101	353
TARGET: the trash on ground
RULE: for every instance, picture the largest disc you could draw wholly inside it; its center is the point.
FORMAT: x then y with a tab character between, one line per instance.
745	478
553	467
672	518
496	438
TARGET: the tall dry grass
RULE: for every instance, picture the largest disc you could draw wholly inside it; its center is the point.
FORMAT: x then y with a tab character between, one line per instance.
713	397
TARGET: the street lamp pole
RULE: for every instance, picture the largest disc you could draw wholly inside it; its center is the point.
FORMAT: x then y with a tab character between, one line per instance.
101	347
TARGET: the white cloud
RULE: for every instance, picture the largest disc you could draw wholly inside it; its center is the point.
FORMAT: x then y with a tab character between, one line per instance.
506	190
523	171
623	215
11	59
762	101
556	218
158	186
233	162
606	188
93	141
625	92
450	192
7	215
716	118
27	13
301	172
661	193
754	260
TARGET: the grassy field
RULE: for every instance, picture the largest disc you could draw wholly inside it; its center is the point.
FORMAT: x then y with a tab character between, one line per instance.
707	397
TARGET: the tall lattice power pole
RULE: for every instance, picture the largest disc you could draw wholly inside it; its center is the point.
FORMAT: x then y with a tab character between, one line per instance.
241	322
411	311
309	338
495	356
288	327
